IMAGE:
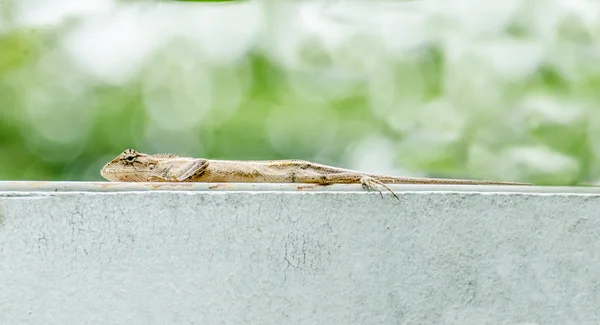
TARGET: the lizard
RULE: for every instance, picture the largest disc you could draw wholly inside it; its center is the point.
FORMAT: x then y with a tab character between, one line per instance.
134	166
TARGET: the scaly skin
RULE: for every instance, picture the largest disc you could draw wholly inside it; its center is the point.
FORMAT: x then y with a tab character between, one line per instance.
133	166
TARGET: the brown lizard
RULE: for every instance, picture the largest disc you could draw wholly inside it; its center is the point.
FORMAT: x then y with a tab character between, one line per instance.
133	166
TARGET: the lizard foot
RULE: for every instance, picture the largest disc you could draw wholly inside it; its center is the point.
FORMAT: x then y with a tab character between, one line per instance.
371	184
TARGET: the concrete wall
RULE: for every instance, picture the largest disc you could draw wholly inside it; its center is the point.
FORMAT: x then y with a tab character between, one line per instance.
78	253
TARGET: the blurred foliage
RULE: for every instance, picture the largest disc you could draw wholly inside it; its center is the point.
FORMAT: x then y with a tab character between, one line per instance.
504	91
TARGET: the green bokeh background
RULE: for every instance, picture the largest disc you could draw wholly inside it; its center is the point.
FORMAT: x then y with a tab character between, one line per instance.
503	91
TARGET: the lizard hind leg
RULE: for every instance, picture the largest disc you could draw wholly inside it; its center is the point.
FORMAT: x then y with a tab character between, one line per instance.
371	184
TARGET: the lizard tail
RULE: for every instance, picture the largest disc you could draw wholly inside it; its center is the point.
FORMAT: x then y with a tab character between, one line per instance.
449	181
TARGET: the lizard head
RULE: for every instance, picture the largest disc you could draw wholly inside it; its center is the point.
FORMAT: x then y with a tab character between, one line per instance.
132	166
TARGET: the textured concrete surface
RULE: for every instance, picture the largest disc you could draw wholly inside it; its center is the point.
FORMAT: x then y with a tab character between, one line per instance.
332	257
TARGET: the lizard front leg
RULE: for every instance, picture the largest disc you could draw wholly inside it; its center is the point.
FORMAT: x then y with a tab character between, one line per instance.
369	183
183	173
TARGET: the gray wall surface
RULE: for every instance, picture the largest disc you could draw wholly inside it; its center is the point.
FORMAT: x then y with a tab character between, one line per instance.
104	256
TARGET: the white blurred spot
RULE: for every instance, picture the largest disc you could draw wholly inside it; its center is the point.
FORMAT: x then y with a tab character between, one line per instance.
512	59
540	109
539	161
113	45
321	86
32	13
392	92
438	121
177	93
472	19
228	90
224	31
57	101
508	58
585	11
374	154
63	120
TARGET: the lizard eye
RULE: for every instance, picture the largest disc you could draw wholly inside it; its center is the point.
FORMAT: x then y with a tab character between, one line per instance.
151	166
129	158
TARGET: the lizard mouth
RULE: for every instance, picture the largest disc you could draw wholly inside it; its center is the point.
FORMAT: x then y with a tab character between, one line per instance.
109	174
122	175
112	174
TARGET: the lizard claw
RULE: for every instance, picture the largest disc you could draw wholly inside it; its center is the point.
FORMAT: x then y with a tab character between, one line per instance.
371	184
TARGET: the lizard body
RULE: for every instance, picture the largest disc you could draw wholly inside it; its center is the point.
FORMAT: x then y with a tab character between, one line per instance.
133	166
